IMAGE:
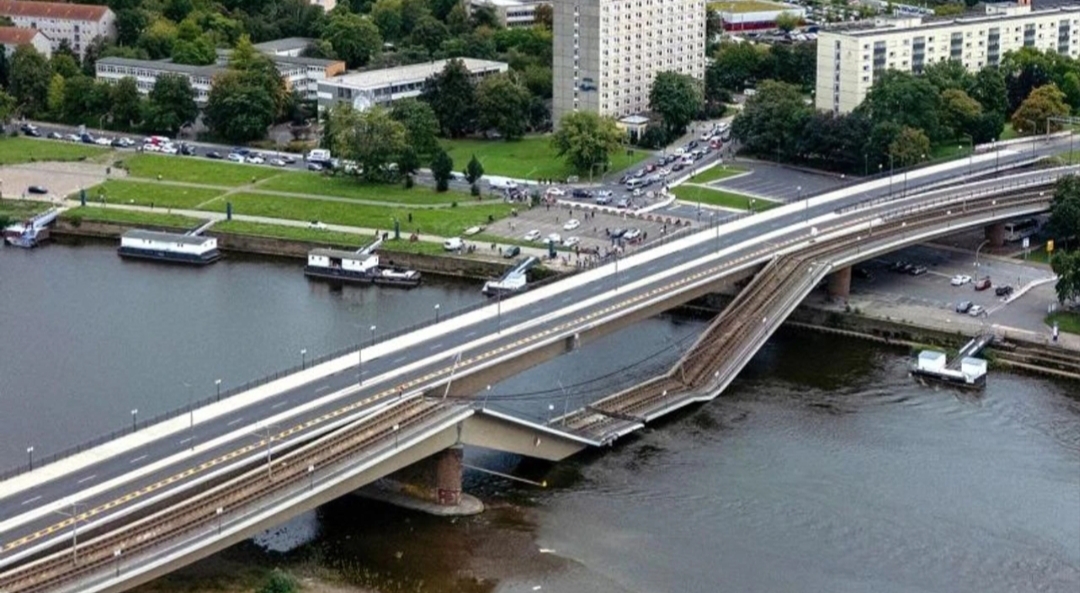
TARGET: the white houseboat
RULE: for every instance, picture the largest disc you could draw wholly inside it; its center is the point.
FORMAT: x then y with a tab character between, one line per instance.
31	233
514	281
359	267
169	247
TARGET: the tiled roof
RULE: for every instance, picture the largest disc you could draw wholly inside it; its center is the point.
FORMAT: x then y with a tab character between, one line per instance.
57	10
17	35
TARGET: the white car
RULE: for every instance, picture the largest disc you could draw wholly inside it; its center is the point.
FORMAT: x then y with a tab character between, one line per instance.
632	234
571	224
532	235
553	238
317	225
235	157
960	280
976	310
256	160
103	141
554	191
571	241
73	138
603	193
277	162
170	149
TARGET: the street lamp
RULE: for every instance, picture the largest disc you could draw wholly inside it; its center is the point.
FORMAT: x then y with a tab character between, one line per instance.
396	427
373	335
217	512
191	414
436	312
269	440
303	358
134	419
116	555
30	454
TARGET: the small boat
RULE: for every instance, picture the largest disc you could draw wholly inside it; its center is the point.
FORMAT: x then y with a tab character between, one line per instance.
514	281
31	233
169	247
361	267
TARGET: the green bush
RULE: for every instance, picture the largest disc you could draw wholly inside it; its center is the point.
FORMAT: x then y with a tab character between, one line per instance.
75	220
279	582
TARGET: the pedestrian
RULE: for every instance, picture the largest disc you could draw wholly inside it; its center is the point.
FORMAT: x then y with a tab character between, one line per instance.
410	217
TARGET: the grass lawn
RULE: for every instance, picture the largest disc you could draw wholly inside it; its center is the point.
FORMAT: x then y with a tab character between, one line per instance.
1067	321
717	173
689	193
144	194
446	222
16	210
131	217
1008	133
348	187
529	158
195	170
949	150
744	6
26	150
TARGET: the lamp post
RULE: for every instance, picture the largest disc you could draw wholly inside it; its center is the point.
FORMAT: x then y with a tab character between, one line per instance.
373	335
217	512
269	440
116	556
134	419
311	476
498	311
303	358
217	385
30	455
978	249
1034	132
191	415
436	312
890	173
396	427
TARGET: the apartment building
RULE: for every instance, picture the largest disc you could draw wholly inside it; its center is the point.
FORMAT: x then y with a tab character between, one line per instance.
79	24
382	87
607	52
511	13
13	37
848	62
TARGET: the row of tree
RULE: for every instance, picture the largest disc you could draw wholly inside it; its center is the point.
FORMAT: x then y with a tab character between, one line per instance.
1065	226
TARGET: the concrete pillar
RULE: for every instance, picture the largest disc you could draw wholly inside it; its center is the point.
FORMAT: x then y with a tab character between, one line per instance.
995	234
435	479
840	283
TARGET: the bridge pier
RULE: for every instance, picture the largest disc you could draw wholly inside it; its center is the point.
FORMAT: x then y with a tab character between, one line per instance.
995	234
840	283
431	485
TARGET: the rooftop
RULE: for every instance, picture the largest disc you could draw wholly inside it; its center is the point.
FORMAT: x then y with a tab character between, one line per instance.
945	22
286	44
223	58
340	253
17	35
167	237
56	10
748	6
414	72
161	66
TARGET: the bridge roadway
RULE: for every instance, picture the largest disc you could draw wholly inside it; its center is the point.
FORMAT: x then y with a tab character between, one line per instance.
161	459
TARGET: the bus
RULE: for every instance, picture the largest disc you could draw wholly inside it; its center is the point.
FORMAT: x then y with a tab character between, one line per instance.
1018	230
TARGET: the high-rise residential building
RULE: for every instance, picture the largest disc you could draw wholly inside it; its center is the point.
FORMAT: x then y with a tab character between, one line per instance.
849	62
607	52
78	24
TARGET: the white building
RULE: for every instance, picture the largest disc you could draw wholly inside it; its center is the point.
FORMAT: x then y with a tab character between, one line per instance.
289	46
327	5
848	62
755	16
511	13
13	37
79	24
381	87
607	52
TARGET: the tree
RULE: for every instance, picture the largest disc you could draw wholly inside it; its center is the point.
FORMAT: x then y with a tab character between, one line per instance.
237	109
371	138
1065	210
65	65
457	20
7	106
54	98
910	147
959	113
677	98
84	100
30	78
171	104
130	24
158	39
408	164
429	33
1032	116
949	74
127	103
1067	267
474	170
989	90
1025	70
354	38
544	16
836	142
258	70
453	98
587	140
442	167
502	103
786	21
772	120
192	46
386	14
421	125
737	65
484	15
906	99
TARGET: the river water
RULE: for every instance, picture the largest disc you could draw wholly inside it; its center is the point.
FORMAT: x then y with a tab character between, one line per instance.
823	468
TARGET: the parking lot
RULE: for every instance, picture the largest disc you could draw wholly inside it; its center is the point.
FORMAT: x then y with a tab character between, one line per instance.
879	290
775	182
60	179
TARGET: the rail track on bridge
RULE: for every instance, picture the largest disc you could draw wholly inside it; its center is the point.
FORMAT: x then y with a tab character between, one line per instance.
238	494
715	358
721	351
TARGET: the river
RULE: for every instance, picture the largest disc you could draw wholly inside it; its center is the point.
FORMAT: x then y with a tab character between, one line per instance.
823	468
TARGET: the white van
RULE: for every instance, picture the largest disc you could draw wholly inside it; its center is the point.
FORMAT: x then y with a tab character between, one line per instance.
635	183
453	244
319	155
501	183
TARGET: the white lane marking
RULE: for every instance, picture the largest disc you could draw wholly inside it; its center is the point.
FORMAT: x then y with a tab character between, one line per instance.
279	404
187	440
397	360
470	334
138	459
436	346
87	479
322	388
26	502
237	421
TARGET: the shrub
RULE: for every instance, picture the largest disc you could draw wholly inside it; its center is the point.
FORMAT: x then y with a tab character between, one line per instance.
279	582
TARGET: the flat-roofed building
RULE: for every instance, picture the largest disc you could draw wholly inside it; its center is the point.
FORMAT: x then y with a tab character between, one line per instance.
288	46
511	13
13	37
146	73
382	87
79	24
849	62
607	52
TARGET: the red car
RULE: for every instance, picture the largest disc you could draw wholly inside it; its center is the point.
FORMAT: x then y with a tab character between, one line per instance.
982	283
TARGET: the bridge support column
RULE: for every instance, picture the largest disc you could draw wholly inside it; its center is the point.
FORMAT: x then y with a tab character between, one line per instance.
995	234
840	283
432	485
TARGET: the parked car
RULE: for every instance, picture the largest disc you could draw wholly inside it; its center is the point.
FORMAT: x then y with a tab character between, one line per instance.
571	241
103	141
571	224
30	130
512	252
632	234
314	167
213	154
37	189
603	193
1005	290
236	157
917	270
317	225
581	193
187	150
976	310
558	192
256	159
555	238
603	199
960	280
72	137
532	235
982	283
963	306
56	136
623	203
277	162
617	233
